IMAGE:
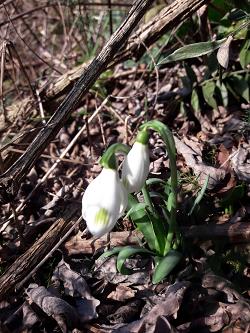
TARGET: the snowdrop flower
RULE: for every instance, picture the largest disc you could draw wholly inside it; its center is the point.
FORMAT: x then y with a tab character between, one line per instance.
103	202
135	168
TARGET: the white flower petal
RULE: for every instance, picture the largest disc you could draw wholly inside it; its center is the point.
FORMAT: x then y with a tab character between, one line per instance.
103	202
136	167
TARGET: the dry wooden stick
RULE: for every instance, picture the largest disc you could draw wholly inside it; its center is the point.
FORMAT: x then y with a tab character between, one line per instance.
11	179
231	232
14	275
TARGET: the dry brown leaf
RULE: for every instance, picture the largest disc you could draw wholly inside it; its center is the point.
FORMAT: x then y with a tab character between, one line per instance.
200	169
122	293
168	307
241	163
64	314
76	286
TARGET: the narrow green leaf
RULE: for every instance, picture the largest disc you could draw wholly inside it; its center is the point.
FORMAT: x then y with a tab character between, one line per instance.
166	265
240	85
195	101
124	254
112	252
208	93
199	196
224	94
245	54
142	221
170	202
193	51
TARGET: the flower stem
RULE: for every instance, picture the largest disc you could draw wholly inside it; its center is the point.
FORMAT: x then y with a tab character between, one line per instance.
147	199
108	159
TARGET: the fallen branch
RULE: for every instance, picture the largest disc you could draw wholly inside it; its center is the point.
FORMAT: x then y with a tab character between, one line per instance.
16	275
231	232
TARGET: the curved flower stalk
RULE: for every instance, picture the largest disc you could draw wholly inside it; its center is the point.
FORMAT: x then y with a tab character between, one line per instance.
135	168
168	139
105	199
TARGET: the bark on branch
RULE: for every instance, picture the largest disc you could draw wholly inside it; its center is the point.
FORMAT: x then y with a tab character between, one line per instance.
11	179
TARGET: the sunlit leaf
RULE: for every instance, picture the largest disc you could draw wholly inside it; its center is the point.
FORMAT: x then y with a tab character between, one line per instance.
195	101
193	51
111	252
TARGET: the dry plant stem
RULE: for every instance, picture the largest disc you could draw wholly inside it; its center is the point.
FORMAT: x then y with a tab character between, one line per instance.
18	226
27	261
11	179
27	45
234	233
3	54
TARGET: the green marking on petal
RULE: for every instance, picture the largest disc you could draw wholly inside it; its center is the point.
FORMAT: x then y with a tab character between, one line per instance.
125	183
102	217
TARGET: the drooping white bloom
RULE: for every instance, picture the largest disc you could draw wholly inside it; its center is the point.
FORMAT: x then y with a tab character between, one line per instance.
136	167
103	202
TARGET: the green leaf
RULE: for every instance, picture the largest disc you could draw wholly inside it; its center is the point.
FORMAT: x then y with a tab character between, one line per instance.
160	230
124	254
195	101
208	92
166	265
237	15
170	201
240	85
245	54
112	252
224	94
193	51
136	208
199	196
142	221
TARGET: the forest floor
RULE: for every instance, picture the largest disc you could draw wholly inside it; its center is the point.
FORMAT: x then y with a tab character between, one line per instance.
73	289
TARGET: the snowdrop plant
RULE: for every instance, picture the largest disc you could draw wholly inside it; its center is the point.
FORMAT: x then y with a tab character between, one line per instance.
105	199
161	234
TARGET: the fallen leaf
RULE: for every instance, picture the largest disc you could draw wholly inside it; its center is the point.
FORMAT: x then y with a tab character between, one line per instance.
76	286
64	314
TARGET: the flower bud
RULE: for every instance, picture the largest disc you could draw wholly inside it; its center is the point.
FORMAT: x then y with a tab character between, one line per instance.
135	168
103	202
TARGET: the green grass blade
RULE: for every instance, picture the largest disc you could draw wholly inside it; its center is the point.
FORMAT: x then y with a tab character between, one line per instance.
200	195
